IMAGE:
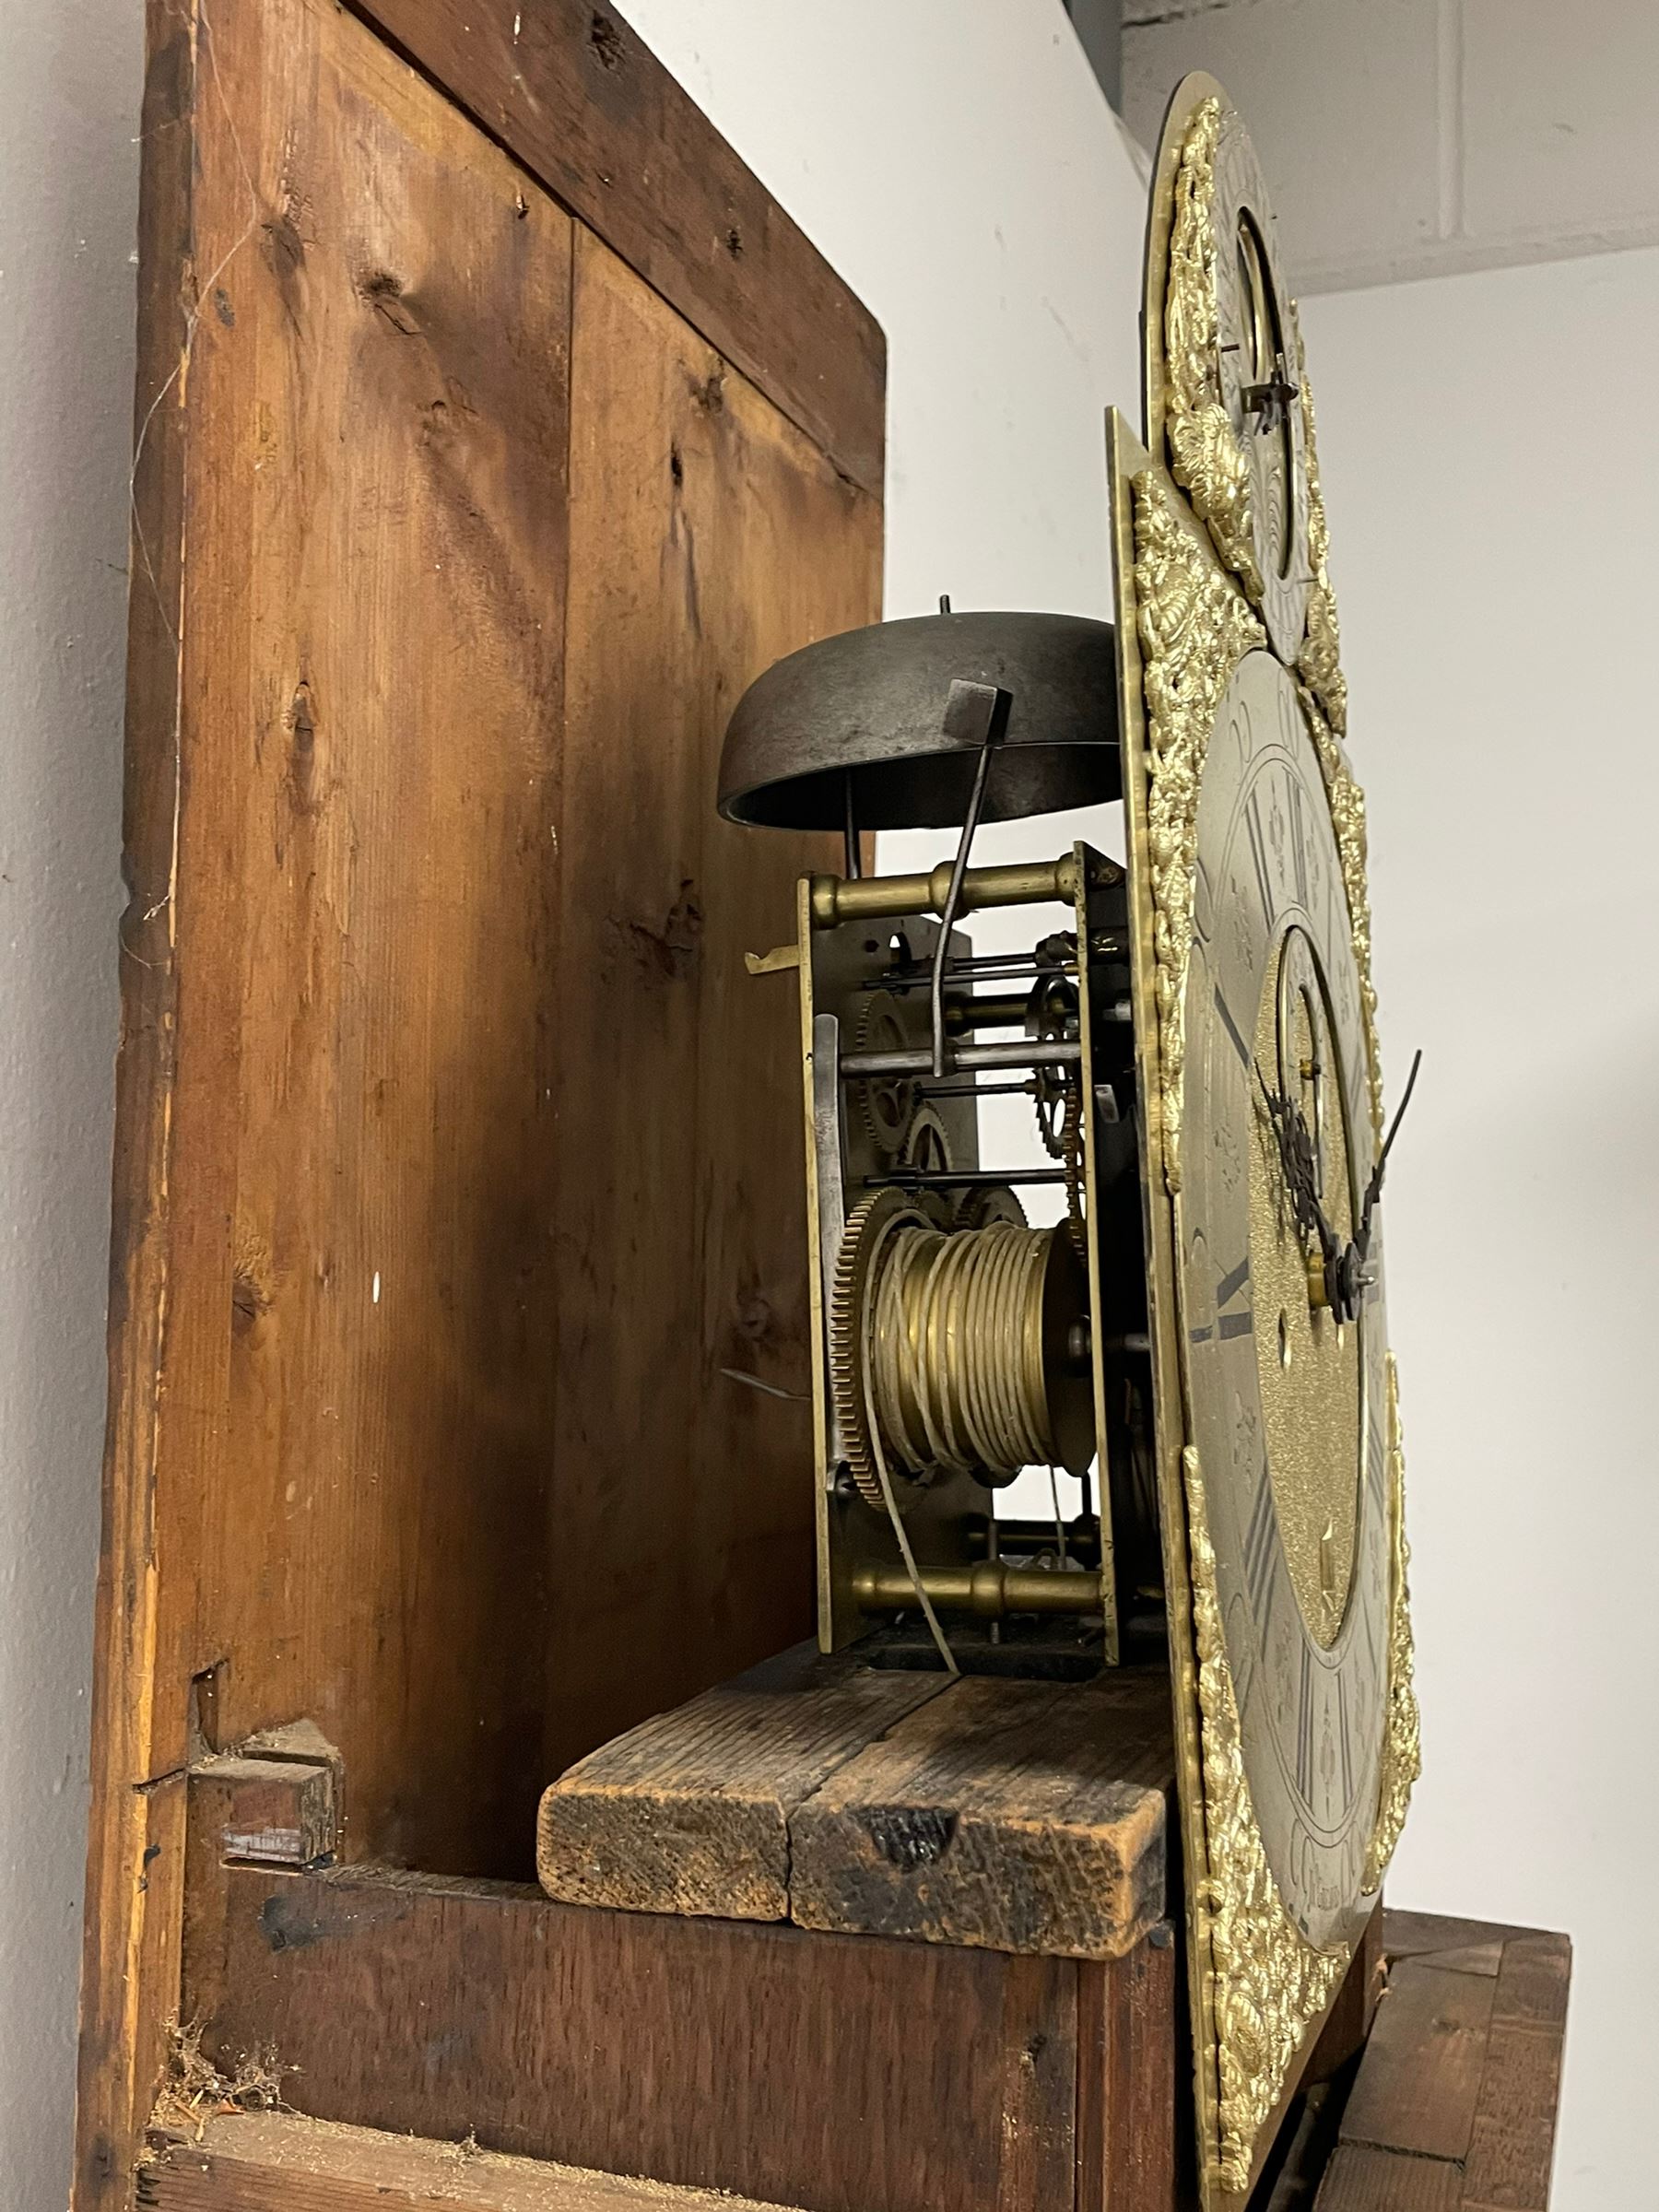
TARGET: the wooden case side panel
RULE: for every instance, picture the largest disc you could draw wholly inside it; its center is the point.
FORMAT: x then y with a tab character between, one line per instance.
841	2072
356	1390
593	114
708	538
129	1971
432	1206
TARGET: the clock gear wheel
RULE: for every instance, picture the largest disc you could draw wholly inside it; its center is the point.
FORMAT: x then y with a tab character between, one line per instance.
926	1144
1052	1018
887	1103
868	1227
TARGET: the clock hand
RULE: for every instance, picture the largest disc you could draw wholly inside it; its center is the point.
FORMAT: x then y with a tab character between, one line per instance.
1289	1126
1373	1189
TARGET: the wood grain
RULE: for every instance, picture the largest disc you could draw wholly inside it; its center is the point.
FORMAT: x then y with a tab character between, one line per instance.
707	538
1454	2107
689	1812
1418	2088
591	114
1362	2180
1132	2126
1024	1815
349	1279
833	2071
1511	2149
135	1836
281	2162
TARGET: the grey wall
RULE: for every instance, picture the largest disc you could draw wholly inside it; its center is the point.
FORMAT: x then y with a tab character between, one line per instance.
69	86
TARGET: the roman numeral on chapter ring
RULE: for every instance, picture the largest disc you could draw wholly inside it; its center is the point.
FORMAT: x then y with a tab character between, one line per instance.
1304	1729
1261	1550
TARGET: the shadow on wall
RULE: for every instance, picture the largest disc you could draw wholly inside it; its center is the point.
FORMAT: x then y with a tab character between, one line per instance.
68	188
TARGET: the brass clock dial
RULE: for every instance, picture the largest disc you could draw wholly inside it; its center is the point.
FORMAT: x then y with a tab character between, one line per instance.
1277	1447
1285	1403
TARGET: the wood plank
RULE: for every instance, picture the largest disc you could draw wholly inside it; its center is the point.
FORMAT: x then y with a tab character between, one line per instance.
136	1837
576	97
1132	2131
366	735
707	538
281	2162
1362	2180
1350	2018
689	1812
1533	1982
1511	2151
339	1262
822	2070
1416	1935
1023	1815
1420	2078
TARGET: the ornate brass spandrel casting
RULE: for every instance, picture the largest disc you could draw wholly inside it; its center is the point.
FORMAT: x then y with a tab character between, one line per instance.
1194	628
1320	661
1267	1983
1347	814
1207	456
1402	1739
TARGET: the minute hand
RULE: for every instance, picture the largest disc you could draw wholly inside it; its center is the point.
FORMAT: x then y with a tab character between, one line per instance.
1373	1189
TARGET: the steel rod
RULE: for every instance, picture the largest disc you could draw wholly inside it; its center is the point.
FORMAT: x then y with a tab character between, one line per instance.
964	1179
918	1061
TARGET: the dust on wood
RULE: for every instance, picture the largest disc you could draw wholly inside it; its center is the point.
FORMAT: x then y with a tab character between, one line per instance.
195	2091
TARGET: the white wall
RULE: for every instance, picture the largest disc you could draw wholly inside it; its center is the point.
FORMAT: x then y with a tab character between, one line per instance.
1492	512
69	85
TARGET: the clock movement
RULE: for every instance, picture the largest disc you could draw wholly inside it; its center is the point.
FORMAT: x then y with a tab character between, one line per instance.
1201	1337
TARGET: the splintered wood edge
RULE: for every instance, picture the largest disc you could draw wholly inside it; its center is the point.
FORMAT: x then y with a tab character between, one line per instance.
680	1815
641	1825
281	2162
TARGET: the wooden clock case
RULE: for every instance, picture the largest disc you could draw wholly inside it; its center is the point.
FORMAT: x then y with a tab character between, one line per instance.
494	428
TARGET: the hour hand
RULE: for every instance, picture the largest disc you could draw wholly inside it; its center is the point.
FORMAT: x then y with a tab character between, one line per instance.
1295	1142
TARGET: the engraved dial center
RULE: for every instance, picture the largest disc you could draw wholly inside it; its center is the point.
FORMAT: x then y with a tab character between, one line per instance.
1309	1366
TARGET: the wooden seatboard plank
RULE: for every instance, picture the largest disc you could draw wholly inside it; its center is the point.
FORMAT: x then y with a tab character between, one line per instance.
1533	1982
1419	2080
589	110
282	2162
1021	1815
1361	2179
708	538
825	2071
690	1811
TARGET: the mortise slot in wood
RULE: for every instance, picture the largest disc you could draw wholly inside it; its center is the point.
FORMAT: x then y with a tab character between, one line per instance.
268	1812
